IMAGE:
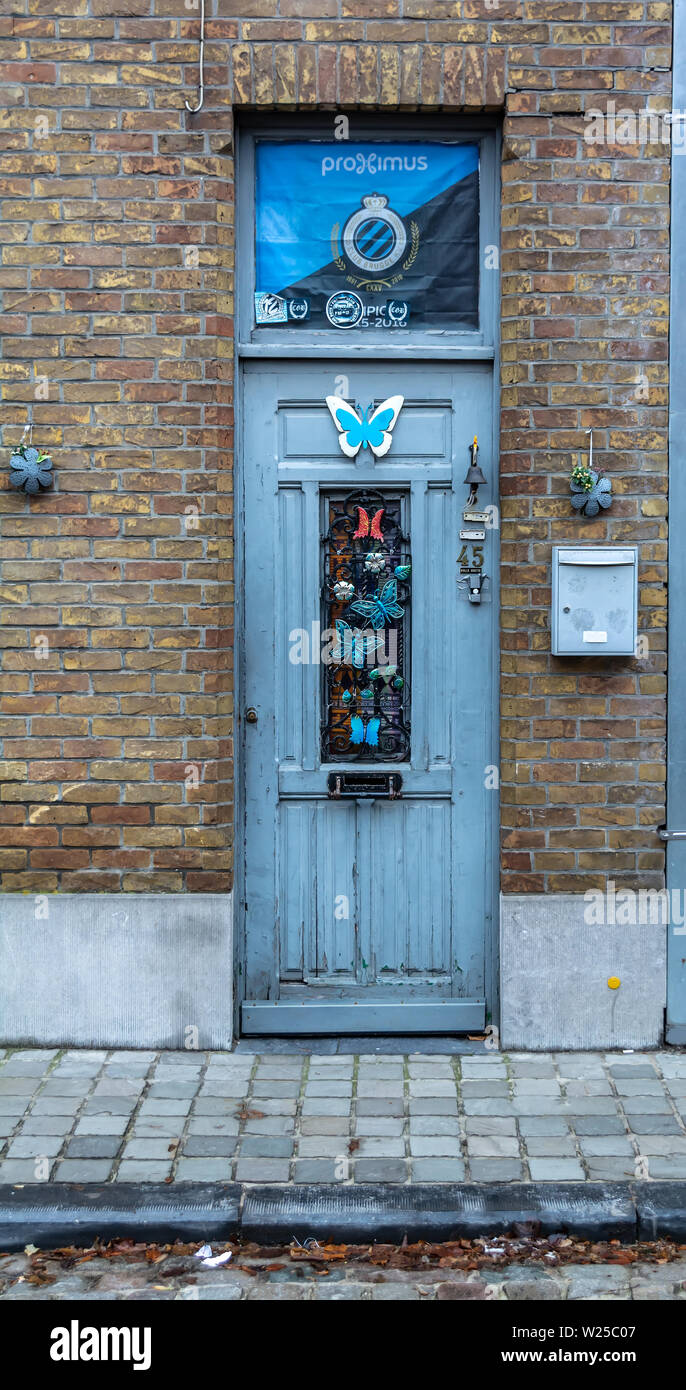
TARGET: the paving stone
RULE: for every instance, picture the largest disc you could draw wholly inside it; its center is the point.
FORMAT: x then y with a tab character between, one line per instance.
114	1105
324	1146
492	1146
103	1146
209	1146
45	1124
490	1124
586	1088
555	1169
536	1087
203	1170
631	1071
597	1124
8	1124
70	1086
610	1169
433	1124
543	1126
664	1167
18	1086
335	1105
15	1105
646	1105
163	1128
266	1146
435	1146
426	1089
672	1145
83	1170
143	1170
336	1124
542	1105
491	1105
102	1124
318	1170
534	1070
212	1125
391	1089
437	1170
496	1170
590	1105
431	1105
121	1087
640	1088
262	1170
277	1088
654	1124
172	1090
35	1146
156	1109
56	1105
162	1149
550	1146
606	1146
595	1281
271	1124
482	1089
20	1170
380	1170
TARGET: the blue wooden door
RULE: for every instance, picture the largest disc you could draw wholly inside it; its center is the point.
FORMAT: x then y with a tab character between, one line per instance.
368	793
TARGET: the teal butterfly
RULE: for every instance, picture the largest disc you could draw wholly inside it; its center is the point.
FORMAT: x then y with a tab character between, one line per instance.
353	647
371	430
364	733
382	607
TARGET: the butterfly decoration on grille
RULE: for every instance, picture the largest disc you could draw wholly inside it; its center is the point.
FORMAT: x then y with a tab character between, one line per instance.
371	429
364	733
365	527
382	607
353	647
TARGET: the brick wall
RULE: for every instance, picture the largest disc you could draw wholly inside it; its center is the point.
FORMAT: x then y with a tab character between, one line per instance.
116	274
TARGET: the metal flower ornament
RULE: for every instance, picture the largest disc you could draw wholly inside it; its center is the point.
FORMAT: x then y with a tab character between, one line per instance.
590	490
31	470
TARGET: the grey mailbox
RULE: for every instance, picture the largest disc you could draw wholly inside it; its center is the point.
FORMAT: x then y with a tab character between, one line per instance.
595	600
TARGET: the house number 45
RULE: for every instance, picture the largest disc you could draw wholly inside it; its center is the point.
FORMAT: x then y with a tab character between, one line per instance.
477	559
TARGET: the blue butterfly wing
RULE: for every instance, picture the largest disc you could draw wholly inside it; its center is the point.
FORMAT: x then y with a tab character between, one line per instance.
366	606
351	426
356	729
389	593
371	733
376	428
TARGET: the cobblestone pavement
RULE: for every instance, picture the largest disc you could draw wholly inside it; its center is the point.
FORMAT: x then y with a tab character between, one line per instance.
175	1278
96	1116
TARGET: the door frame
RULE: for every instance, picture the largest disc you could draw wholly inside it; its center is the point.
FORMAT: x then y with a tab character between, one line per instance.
390	127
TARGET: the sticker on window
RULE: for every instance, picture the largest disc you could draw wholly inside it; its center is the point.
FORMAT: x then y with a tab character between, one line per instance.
373	235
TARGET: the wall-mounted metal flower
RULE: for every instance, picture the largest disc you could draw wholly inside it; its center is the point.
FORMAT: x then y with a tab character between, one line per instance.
590	490
31	469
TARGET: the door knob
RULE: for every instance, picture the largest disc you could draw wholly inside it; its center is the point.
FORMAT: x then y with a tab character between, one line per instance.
251	715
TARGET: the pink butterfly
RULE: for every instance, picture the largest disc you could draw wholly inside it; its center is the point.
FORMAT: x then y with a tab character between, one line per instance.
364	528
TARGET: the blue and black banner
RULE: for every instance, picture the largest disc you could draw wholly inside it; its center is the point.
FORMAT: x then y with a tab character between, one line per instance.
353	235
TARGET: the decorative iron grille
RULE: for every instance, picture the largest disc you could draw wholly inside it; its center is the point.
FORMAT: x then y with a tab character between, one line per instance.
366	595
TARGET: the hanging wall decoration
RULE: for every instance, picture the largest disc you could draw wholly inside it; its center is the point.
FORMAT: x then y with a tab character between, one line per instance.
366	596
590	490
370	429
30	469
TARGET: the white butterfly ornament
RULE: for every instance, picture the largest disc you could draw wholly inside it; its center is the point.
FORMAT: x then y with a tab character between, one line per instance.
371	430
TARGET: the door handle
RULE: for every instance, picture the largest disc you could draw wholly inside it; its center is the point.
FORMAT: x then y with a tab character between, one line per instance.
251	715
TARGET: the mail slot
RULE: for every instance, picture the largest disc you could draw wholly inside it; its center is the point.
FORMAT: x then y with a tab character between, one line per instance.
595	600
347	784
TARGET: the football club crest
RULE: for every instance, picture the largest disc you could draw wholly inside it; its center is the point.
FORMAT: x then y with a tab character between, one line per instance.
344	309
374	238
270	308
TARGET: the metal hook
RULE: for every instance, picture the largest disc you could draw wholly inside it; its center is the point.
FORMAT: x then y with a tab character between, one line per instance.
194	109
